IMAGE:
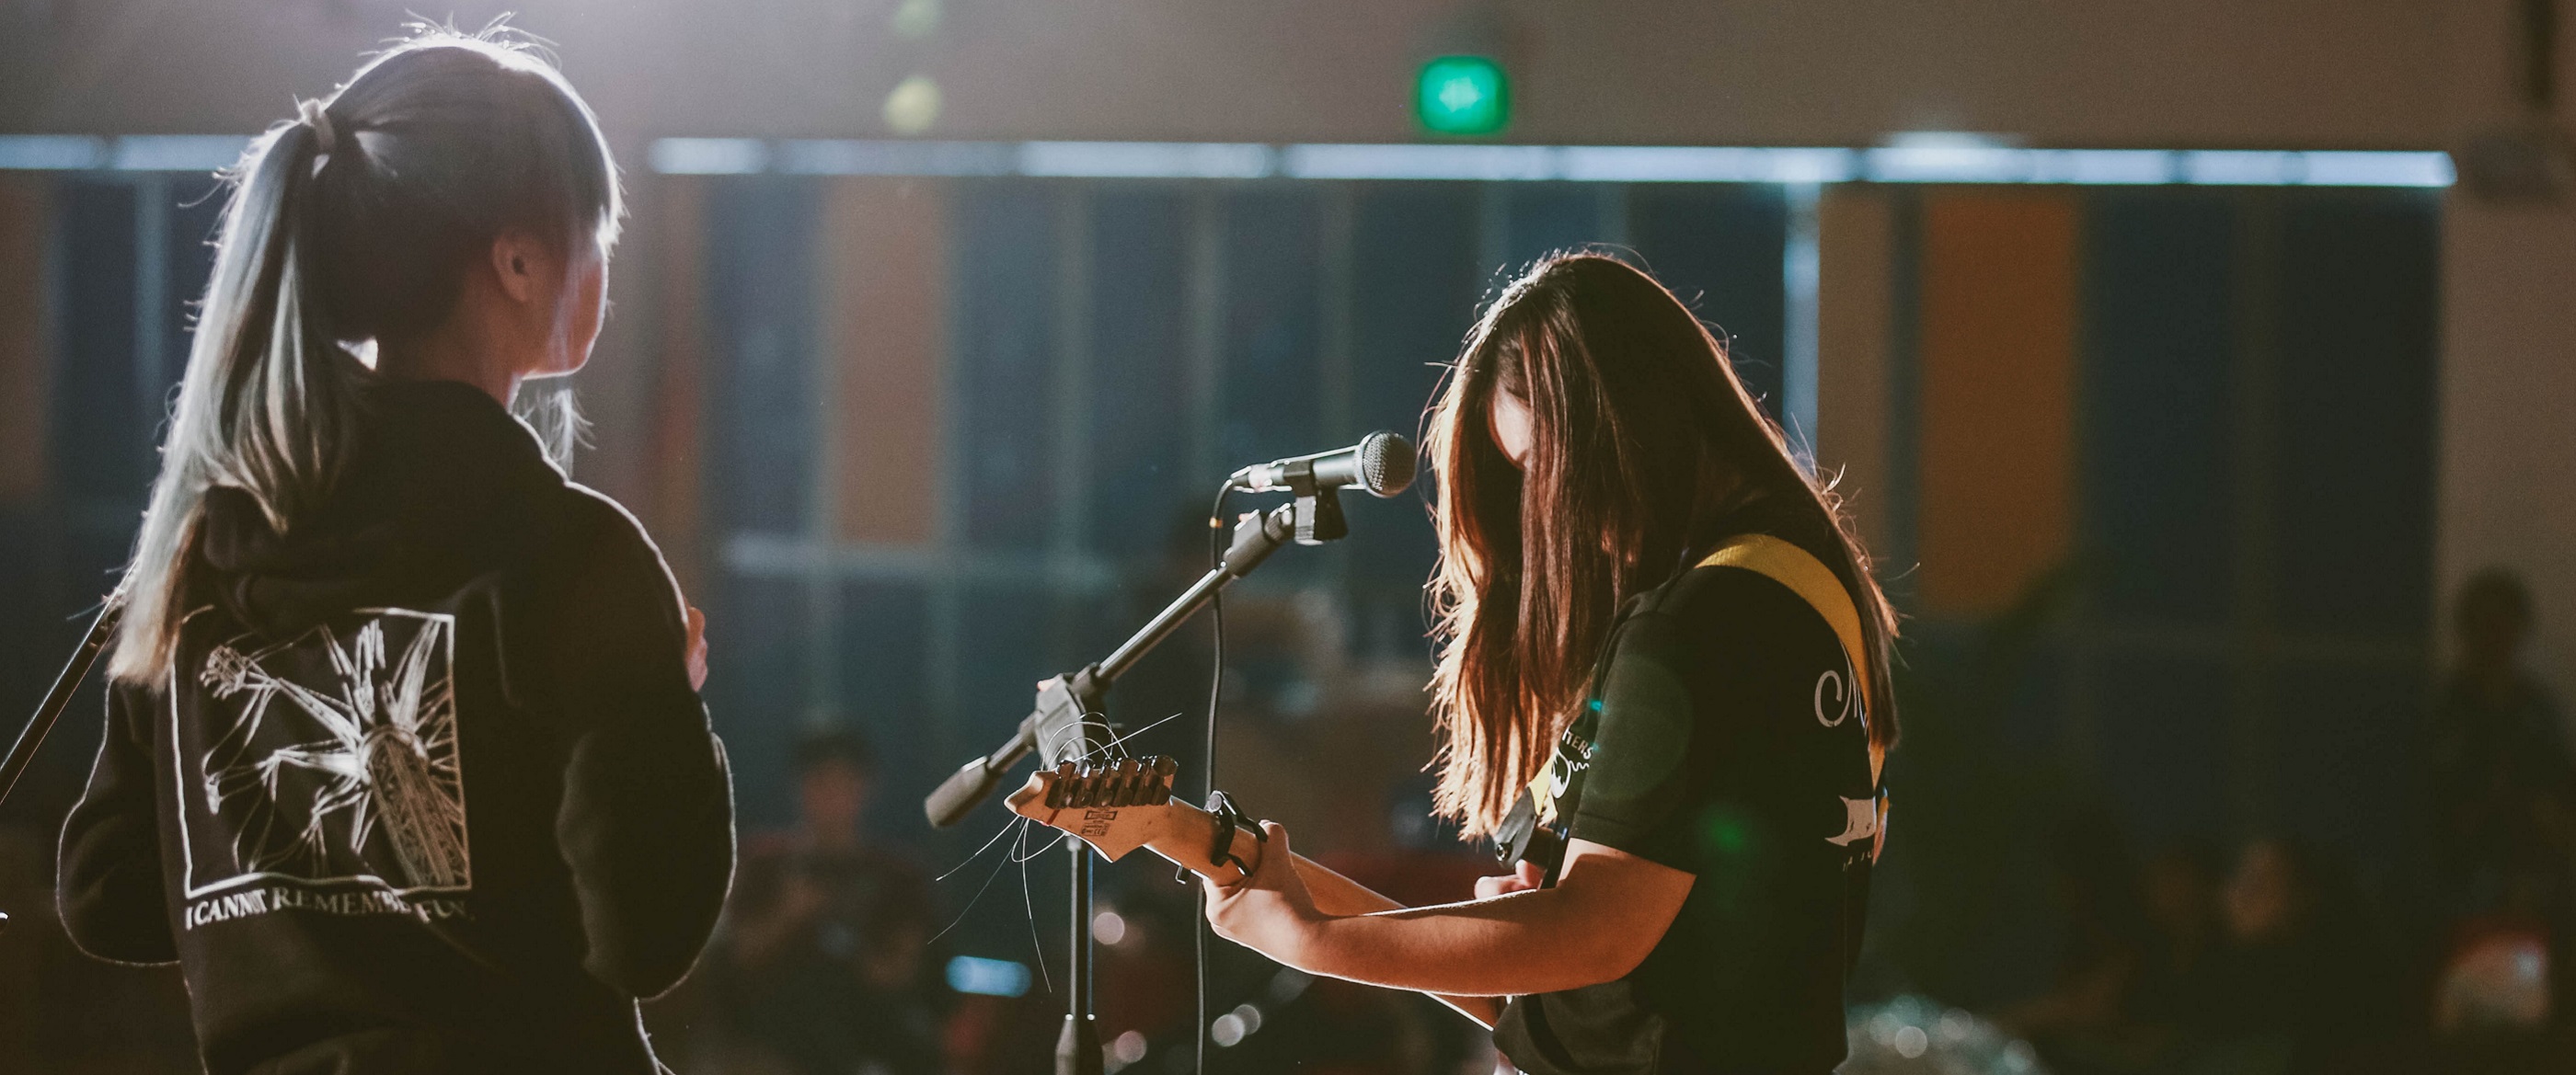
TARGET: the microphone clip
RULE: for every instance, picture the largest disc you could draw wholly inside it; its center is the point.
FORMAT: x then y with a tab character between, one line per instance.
1318	506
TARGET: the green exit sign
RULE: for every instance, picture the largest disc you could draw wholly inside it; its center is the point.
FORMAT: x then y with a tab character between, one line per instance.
1463	95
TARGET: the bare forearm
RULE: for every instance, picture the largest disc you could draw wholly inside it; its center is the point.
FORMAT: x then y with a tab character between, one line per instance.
1528	942
1608	910
1337	895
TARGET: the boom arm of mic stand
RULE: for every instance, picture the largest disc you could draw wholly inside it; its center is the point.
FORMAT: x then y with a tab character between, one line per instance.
1255	538
23	752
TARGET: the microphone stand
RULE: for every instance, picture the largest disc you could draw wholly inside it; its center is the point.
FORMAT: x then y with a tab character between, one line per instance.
1060	726
23	752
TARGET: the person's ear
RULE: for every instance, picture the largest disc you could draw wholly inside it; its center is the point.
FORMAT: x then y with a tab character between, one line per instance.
518	262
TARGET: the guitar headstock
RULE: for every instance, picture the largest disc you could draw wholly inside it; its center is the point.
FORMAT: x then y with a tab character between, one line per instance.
1114	808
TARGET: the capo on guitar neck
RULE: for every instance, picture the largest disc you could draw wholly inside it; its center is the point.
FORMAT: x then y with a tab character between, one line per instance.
1228	818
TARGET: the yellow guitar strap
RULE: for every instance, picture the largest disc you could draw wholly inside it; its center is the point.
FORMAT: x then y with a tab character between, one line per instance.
1816	584
1810	579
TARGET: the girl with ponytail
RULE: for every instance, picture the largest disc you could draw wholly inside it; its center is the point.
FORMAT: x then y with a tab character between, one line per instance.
405	763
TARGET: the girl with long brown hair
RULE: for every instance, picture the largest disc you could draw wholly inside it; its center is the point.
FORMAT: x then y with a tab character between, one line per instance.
1664	656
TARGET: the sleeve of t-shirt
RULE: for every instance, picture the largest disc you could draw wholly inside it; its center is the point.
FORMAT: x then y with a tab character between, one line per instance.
1639	778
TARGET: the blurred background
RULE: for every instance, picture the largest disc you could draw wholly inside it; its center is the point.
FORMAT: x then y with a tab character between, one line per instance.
2200	371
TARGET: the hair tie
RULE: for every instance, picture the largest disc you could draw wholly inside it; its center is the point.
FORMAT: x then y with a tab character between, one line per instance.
312	114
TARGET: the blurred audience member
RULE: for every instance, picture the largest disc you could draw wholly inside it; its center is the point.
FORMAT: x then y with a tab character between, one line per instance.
2180	893
2095	889
825	967
2170	991
2301	978
2503	784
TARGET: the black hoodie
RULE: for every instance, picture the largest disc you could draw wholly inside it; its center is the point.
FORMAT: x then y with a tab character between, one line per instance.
427	789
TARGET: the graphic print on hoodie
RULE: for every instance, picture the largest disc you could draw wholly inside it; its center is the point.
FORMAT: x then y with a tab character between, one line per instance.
333	780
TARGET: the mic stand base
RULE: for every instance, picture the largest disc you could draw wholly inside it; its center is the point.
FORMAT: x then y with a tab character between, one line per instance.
1077	1050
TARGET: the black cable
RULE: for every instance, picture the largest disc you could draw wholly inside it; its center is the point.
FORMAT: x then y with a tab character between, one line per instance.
1207	753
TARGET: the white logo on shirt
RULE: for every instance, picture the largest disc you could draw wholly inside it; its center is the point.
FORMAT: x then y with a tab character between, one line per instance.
1842	702
1860	822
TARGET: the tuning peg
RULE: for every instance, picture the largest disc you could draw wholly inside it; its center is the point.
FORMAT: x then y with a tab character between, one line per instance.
1164	770
1060	790
1095	785
1129	783
1140	783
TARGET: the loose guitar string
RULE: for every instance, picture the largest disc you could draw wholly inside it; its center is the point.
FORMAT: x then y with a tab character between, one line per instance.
1121	741
1016	825
1029	907
1008	824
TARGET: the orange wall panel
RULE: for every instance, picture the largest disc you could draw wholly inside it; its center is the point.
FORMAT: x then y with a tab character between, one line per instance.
24	363
1856	246
679	392
1999	302
886	316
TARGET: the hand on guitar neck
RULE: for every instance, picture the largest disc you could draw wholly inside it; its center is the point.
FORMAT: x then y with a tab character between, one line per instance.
1121	808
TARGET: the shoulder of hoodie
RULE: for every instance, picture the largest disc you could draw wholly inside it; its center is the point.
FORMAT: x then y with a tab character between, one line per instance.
606	542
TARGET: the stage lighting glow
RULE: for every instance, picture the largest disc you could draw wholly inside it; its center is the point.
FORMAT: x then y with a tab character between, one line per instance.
1903	163
1911	1041
51	152
2328	168
829	156
178	152
988	977
916	19
1467	95
1704	164
1147	160
913	106
1946	164
1108	928
1896	163
709	156
1364	161
2241	168
2101	166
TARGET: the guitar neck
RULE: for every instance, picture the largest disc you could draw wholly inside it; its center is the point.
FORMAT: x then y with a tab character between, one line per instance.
1117	809
1188	834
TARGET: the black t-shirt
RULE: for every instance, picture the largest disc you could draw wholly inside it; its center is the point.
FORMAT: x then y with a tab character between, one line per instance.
1726	740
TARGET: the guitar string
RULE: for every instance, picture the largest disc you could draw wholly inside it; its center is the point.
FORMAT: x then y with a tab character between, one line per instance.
1008	824
1028	906
1018	825
1121	741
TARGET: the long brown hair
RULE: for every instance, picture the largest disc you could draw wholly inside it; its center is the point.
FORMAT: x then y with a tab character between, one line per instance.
1641	435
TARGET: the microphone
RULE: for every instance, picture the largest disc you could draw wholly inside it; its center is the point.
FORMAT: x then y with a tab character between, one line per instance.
1381	463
